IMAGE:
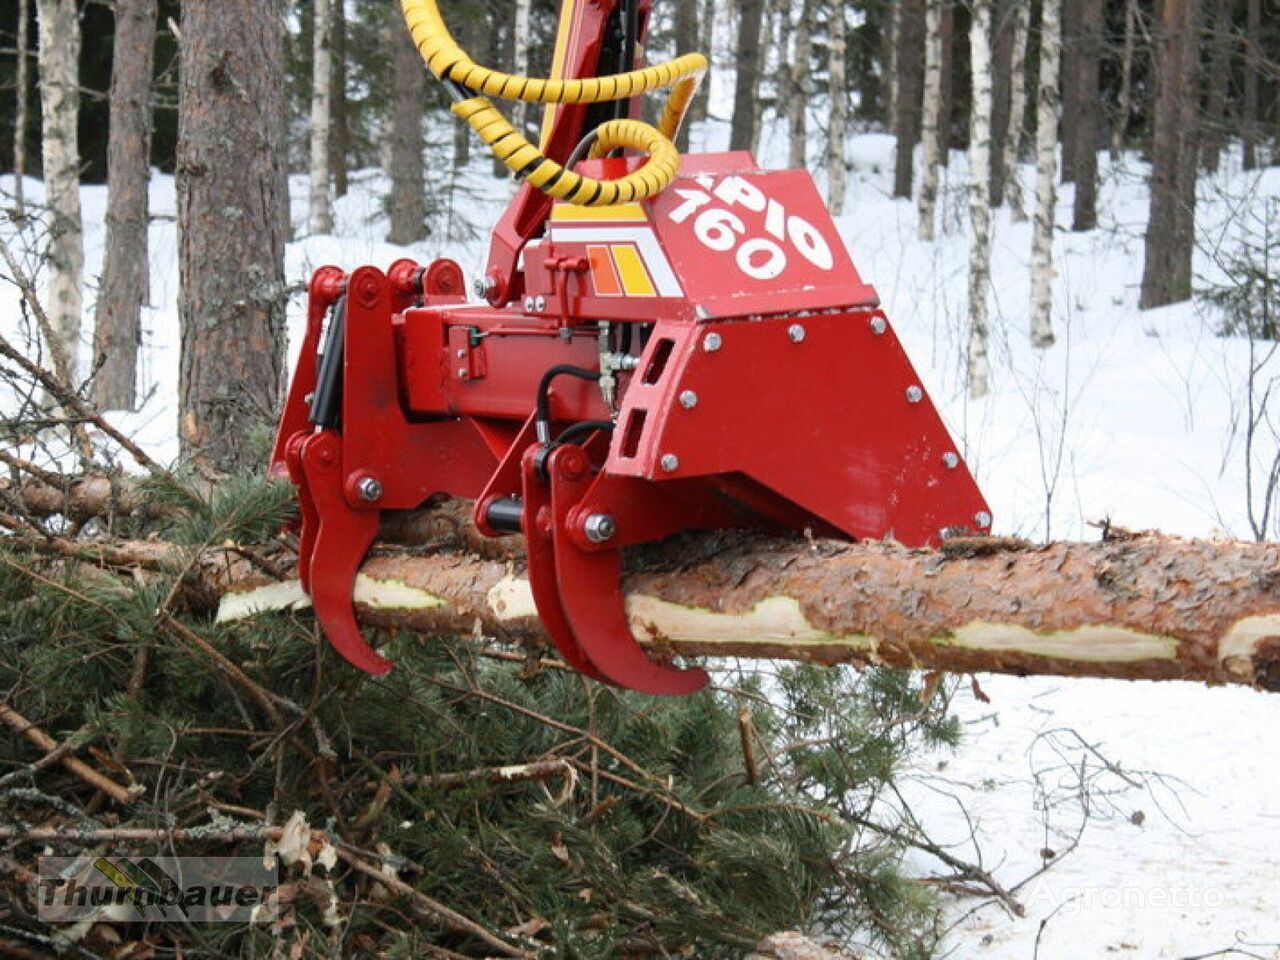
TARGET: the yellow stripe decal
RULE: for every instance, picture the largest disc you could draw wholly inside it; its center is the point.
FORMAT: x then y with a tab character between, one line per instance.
635	278
623	212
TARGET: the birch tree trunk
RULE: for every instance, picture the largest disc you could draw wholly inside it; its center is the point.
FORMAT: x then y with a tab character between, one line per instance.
1042	273
1252	71
801	89
1088	114
1017	111
340	142
22	80
1131	608
909	100
231	228
746	89
60	114
1124	100
980	198
126	268
321	117
930	135
837	174
408	185
893	20
1170	239
520	48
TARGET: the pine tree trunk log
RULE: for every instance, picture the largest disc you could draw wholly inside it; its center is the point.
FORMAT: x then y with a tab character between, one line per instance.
837	174
1134	607
1046	177
1088	114
60	112
321	117
231	228
126	268
742	135
1170	238
408	202
980	32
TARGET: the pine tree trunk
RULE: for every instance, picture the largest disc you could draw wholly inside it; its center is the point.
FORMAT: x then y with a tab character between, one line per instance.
893	22
1131	608
1170	240
1046	176
979	366
1001	92
700	110
60	113
1071	21
22	81
321	117
1213	125
126	273
910	64
520	47
837	174
1252	72
800	89
340	141
687	40
747	83
1088	112
1124	101
930	135
946	114
1017	110
230	228
408	202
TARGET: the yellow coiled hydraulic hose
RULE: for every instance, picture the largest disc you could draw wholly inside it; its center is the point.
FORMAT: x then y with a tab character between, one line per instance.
450	63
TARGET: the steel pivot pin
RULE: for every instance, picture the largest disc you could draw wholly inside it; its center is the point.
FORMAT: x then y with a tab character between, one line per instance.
370	490
600	528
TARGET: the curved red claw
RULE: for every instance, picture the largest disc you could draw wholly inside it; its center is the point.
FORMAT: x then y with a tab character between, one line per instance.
342	540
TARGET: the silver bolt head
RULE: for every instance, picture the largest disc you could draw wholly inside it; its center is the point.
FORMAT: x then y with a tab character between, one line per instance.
950	460
528	304
878	326
540	304
370	490
797	333
463	373
983	520
670	463
914	394
600	528
688	399
483	287
712	342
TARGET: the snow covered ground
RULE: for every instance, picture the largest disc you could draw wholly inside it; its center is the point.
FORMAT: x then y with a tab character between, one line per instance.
1130	417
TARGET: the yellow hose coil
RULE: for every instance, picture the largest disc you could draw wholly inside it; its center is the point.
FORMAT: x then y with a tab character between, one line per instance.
449	62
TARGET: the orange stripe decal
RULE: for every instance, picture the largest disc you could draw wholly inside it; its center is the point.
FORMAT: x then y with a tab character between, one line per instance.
603	273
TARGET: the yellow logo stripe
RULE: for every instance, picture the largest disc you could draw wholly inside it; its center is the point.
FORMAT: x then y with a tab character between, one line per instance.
631	269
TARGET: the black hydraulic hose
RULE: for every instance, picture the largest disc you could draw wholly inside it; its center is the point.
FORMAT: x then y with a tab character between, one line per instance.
542	422
326	402
577	431
630	43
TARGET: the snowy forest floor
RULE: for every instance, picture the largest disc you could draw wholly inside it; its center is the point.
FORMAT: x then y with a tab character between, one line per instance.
1133	417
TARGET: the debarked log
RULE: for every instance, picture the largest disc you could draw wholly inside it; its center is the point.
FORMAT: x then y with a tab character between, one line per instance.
1144	606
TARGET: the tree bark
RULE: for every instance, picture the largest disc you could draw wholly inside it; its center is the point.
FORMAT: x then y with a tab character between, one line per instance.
701	108
230	226
1146	607
1001	92
126	271
893	21
1252	72
979	366
321	117
1170	240
1071	22
910	97
687	40
1046	176
1124	101
340	141
837	174
1088	114
408	184
60	113
801	88
520	46
946	116
1017	110
1214	124
22	95
930	135
742	136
